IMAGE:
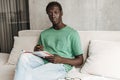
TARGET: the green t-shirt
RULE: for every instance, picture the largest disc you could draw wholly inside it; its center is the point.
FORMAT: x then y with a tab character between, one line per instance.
64	42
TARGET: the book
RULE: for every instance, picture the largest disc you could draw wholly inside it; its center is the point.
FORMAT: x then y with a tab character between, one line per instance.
39	53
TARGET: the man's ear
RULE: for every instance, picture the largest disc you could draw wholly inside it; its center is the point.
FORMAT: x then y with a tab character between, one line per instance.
61	13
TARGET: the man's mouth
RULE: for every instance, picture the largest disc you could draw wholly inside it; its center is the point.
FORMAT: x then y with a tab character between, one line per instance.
54	20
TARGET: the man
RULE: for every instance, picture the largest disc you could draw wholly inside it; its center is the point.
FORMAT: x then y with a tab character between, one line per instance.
61	41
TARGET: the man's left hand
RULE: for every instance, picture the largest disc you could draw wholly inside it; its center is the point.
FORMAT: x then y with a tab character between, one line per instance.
54	59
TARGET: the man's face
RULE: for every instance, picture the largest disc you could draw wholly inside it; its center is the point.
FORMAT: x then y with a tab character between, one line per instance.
55	15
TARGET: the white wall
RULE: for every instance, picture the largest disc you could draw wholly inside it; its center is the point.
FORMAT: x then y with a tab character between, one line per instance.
79	14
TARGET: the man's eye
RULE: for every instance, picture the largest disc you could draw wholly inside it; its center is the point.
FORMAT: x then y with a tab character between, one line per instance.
49	14
56	12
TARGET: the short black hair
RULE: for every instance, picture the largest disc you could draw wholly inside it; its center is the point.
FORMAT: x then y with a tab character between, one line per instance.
53	3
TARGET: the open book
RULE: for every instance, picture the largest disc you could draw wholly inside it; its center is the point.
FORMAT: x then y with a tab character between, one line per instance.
39	53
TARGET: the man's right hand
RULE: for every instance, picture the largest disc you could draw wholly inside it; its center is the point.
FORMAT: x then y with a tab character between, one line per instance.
38	48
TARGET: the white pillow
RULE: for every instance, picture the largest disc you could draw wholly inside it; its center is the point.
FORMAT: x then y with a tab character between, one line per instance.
21	43
104	59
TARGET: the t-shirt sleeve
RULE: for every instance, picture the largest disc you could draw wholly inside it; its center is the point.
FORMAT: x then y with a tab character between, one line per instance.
76	44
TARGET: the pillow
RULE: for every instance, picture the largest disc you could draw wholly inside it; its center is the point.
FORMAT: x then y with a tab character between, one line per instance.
104	59
21	43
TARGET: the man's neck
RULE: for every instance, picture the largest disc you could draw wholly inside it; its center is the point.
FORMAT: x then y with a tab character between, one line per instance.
59	26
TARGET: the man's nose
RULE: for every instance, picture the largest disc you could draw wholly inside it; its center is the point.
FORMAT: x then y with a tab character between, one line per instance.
53	15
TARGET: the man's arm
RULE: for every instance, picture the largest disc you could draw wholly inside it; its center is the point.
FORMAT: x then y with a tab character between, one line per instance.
77	61
38	48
